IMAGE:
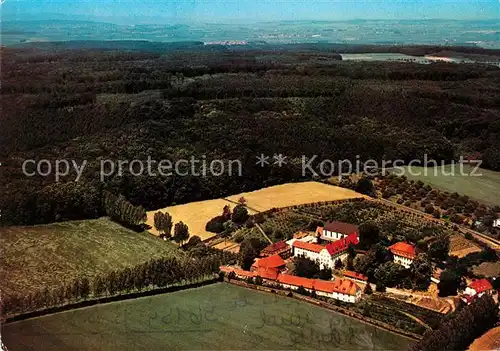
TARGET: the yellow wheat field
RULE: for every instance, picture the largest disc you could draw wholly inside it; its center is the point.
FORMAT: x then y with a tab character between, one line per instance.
197	214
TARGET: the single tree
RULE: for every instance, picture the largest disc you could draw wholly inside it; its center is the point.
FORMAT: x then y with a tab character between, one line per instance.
304	267
247	256
365	186
181	232
369	234
449	283
240	214
368	289
439	248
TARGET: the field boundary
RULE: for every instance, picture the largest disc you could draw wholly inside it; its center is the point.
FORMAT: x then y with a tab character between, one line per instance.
109	299
330	307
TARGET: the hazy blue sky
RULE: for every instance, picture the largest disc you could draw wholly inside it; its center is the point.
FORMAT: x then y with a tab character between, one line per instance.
252	10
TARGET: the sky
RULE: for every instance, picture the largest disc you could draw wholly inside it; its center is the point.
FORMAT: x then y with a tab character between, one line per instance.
182	11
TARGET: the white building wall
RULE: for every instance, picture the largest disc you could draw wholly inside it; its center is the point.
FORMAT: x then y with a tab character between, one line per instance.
322	293
333	235
309	254
404	261
496	223
325	260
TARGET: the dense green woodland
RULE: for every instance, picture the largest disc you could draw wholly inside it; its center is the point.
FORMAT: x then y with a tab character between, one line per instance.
98	104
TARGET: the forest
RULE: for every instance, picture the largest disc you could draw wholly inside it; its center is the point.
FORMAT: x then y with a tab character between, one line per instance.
124	104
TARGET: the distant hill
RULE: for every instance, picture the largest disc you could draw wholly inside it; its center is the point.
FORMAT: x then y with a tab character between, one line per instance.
471	52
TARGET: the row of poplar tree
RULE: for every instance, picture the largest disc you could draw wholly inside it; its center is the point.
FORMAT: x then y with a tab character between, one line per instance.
120	210
156	273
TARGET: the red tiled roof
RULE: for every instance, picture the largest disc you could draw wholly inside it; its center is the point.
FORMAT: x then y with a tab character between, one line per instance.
342	244
295	281
481	285
355	275
237	271
403	249
280	245
324	285
267	273
274	261
346	286
341	227
300	235
307	246
342	286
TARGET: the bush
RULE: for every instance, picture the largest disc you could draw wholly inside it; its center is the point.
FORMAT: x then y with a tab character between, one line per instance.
429	209
380	287
240	214
215	225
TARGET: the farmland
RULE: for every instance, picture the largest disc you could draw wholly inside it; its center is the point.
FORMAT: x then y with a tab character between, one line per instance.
293	194
220	316
460	247
397	225
488	269
194	214
485	188
488	341
197	214
50	255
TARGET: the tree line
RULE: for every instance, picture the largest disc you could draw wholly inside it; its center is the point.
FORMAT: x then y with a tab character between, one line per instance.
156	273
122	211
365	112
462	327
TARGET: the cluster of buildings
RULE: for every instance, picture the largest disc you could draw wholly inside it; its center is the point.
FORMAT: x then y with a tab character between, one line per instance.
476	289
329	244
338	236
340	289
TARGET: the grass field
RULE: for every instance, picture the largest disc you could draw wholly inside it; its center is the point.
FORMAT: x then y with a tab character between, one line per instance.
197	214
48	255
213	317
485	188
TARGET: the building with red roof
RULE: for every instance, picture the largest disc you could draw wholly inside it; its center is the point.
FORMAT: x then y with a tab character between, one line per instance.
294	282
326	255
267	273
280	248
337	230
476	289
240	273
340	289
404	253
356	276
274	261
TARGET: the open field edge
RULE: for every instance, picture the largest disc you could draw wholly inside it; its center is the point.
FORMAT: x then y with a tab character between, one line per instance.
109	299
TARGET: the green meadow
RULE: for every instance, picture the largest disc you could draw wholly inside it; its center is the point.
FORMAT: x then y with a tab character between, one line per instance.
484	187
214	317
